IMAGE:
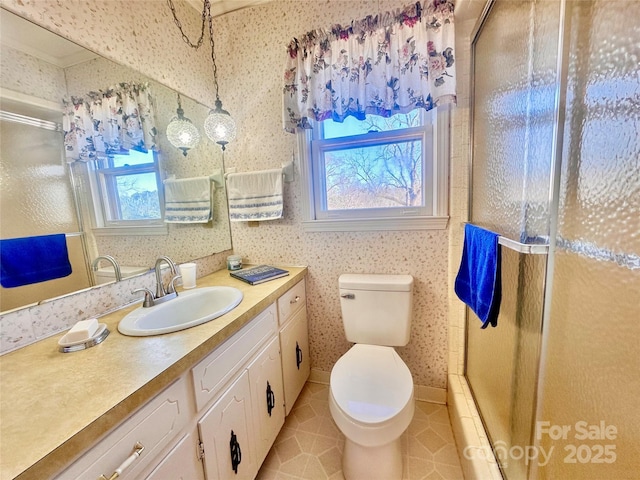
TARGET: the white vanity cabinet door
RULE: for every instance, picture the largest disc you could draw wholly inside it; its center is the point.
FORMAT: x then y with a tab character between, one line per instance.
294	347
227	427
154	426
181	463
267	399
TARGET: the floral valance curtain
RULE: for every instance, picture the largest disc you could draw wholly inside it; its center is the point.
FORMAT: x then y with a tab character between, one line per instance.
382	65
109	121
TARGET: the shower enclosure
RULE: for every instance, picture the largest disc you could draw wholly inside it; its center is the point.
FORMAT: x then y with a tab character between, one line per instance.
556	172
37	194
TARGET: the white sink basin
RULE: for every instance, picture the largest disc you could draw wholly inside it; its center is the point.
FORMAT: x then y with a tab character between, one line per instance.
190	308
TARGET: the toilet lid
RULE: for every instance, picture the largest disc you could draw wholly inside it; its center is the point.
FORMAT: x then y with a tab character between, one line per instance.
371	383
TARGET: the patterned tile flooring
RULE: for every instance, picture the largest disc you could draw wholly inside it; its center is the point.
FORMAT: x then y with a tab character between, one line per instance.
310	445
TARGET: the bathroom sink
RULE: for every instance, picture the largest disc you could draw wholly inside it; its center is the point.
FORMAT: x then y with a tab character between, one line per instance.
190	308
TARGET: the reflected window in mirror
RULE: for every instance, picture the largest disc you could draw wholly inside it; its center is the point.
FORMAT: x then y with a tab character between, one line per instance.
126	190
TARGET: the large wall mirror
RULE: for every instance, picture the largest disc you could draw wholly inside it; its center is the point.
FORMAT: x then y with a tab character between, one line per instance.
42	194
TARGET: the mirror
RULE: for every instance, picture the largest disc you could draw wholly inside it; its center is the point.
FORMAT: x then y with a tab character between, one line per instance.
41	194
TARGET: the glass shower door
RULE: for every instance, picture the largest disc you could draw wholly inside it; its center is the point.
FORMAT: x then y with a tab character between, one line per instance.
515	63
591	366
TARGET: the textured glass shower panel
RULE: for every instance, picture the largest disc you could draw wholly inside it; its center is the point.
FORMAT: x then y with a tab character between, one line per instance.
36	195
502	362
592	366
36	199
514	94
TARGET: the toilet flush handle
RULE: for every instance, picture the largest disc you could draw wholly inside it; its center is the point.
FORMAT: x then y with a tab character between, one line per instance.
349	296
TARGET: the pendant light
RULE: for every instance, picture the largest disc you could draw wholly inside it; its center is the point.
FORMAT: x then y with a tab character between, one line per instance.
181	132
219	125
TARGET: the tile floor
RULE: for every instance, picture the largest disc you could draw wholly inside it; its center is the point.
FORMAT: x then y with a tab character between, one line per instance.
309	445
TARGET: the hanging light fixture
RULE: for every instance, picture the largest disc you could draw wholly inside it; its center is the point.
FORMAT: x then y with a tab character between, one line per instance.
219	125
181	132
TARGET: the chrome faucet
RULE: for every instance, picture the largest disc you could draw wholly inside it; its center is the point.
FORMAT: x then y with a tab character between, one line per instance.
161	295
108	258
160	291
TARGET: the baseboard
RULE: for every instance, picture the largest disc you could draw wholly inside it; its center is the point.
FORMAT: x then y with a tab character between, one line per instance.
421	392
319	376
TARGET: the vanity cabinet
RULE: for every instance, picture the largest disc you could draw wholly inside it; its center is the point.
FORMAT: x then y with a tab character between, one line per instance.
294	342
239	429
219	420
148	432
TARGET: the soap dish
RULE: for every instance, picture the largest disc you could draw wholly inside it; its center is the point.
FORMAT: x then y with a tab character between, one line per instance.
101	333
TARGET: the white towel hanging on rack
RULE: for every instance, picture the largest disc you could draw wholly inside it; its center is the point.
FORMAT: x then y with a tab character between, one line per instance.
255	195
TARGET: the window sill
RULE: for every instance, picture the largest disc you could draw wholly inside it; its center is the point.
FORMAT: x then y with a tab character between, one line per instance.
125	231
375	224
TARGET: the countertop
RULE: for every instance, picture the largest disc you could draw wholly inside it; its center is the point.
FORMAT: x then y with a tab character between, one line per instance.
54	406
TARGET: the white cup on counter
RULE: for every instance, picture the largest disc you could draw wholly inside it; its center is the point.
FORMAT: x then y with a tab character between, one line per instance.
188	272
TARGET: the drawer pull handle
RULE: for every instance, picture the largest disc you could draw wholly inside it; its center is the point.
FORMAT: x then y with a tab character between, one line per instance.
271	399
236	453
298	355
138	448
295	300
348	296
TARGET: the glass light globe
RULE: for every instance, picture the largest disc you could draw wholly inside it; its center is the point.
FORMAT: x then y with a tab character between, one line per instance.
219	126
182	133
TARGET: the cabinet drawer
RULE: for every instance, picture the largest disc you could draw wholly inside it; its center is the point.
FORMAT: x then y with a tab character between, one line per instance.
291	302
221	365
154	427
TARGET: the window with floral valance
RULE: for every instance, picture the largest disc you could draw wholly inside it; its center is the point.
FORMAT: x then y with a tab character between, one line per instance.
385	64
109	121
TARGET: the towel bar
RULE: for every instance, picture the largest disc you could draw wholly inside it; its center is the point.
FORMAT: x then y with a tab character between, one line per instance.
287	173
528	248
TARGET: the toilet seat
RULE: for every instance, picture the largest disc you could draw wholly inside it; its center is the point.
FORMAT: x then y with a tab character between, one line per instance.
371	395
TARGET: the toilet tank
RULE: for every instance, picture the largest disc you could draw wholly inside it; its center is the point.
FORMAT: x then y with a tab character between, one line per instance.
376	309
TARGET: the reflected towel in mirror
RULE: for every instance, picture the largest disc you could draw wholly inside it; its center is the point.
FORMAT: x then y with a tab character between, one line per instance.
28	260
188	200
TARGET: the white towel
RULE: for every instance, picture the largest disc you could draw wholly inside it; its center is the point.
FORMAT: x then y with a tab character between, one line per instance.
188	200
255	195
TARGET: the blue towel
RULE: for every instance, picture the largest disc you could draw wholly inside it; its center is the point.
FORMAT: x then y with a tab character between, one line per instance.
478	282
28	260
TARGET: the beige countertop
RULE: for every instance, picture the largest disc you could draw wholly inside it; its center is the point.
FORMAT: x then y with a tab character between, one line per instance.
54	406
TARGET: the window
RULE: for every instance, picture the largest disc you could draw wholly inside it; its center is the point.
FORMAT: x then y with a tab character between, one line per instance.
377	173
126	193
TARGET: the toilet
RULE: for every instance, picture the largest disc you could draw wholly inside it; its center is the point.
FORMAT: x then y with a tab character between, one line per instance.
371	388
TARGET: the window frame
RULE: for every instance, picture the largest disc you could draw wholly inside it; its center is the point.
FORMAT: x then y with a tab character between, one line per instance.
104	199
435	135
